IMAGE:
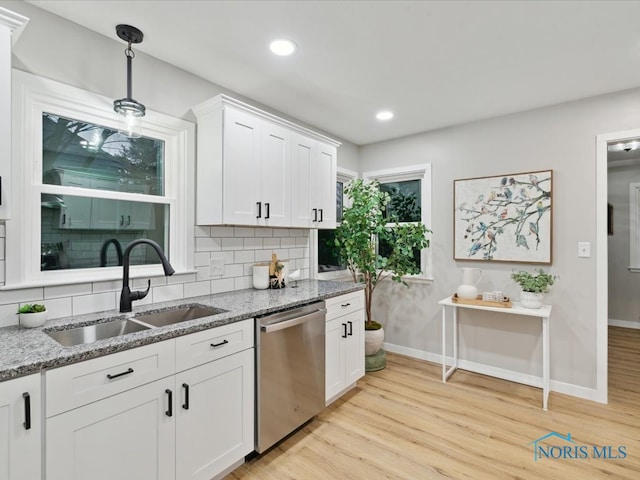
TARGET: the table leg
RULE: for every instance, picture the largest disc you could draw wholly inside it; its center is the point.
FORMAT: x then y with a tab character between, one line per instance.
444	344
455	339
545	362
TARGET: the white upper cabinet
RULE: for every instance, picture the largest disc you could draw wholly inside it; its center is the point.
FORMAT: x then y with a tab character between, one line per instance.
10	22
253	169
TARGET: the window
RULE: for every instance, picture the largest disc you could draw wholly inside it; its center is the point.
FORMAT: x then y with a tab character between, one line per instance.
87	191
328	262
410	192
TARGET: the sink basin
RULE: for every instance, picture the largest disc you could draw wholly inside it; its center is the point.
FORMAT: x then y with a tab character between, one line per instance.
176	315
92	333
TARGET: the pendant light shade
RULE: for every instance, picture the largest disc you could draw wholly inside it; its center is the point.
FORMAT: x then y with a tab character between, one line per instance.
129	110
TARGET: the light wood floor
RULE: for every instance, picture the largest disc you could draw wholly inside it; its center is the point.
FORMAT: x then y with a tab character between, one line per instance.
404	423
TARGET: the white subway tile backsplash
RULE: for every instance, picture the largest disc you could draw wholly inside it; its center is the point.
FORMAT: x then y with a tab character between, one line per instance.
243	232
93	303
242	283
181	278
302	241
201	259
111	286
244	256
296	253
207	244
299	232
248	269
264	232
8	315
232	243
222	232
59	307
201	231
196	289
22	296
288	242
220	286
231	271
271	242
263	255
168	292
142	283
203	274
253	243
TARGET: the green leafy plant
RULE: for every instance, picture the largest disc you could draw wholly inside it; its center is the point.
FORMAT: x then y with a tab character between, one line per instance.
534	282
355	240
32	308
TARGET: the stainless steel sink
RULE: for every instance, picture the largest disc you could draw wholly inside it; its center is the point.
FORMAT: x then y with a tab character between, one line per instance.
93	333
176	315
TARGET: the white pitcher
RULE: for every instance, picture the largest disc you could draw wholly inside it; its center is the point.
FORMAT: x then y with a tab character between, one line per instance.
470	278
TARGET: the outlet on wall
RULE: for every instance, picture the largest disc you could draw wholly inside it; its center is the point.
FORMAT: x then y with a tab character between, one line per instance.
216	267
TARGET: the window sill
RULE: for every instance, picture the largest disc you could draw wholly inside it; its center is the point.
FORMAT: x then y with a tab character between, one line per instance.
634	269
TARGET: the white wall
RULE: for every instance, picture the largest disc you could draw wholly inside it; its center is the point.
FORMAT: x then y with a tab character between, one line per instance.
624	286
60	50
561	138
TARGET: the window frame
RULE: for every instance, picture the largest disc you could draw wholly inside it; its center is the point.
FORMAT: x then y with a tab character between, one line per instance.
32	96
420	172
345	176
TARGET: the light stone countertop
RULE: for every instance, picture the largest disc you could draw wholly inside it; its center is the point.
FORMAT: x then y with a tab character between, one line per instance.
28	350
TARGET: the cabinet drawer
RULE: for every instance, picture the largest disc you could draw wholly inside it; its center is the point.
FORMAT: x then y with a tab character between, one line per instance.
85	382
198	348
344	304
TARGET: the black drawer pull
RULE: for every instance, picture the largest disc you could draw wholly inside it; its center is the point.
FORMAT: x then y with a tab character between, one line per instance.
345	305
344	330
315	214
27	411
259	209
224	342
268	208
185	405
111	377
169	413
350	328
321	214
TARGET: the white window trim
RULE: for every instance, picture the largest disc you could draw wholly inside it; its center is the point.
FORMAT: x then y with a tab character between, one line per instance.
634	227
33	95
413	172
345	176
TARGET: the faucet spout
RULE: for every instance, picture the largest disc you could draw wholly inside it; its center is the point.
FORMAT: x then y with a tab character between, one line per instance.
127	296
103	251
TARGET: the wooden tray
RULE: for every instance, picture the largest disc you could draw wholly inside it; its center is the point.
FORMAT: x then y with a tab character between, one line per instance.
478	301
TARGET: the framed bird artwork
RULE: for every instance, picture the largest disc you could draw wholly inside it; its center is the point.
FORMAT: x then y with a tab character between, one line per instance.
504	218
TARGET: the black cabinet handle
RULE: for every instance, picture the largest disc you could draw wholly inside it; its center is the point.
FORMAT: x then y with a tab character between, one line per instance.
350	328
321	214
345	304
315	214
64	218
224	342
27	411
169	413
185	405
267	207
111	377
344	330
122	220
128	220
259	209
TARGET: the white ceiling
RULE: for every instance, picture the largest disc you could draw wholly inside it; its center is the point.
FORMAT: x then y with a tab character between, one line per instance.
434	64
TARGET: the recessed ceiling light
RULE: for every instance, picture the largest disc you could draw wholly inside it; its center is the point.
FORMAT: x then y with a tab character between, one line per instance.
283	47
384	115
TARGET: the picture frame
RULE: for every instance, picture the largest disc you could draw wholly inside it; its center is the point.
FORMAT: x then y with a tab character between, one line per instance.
504	218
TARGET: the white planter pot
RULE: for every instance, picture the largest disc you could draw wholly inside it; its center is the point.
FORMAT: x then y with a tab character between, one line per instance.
531	300
373	340
32	320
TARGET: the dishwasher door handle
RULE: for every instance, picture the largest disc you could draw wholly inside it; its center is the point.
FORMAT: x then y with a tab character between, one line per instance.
274	327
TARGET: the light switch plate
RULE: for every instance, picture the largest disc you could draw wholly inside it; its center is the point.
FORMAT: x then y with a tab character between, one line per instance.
584	249
216	267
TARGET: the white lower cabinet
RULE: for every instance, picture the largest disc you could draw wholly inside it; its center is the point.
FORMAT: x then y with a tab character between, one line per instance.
126	436
20	429
344	344
191	425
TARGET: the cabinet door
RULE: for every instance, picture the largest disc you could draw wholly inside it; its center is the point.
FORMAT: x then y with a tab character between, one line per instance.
276	176
324	186
126	436
20	429
335	351
303	156
76	212
215	426
354	358
242	168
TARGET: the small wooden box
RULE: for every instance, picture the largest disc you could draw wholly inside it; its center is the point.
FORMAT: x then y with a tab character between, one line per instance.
506	303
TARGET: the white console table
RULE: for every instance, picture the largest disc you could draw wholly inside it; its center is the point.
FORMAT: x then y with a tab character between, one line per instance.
517	309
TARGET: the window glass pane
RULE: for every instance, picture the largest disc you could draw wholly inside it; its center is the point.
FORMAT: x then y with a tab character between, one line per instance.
385	247
75	230
405	201
328	258
81	154
339	200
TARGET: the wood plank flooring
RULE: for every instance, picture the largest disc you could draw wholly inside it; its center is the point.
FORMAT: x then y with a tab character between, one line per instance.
404	423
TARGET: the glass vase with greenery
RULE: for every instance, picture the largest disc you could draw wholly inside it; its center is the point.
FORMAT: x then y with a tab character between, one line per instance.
364	225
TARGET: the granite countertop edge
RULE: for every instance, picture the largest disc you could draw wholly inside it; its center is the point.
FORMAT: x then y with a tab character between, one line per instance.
24	351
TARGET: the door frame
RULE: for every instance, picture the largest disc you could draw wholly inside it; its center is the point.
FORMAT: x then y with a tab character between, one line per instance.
602	258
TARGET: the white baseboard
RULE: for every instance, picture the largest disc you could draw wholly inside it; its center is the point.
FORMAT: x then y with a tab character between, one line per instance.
513	376
624	323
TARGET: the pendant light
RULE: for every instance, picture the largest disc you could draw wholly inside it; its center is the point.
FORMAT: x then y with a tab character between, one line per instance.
129	110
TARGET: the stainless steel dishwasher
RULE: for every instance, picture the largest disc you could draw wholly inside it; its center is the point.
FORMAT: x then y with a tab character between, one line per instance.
289	371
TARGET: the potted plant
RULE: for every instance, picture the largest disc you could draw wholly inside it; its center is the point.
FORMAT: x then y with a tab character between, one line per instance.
534	286
355	239
32	315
